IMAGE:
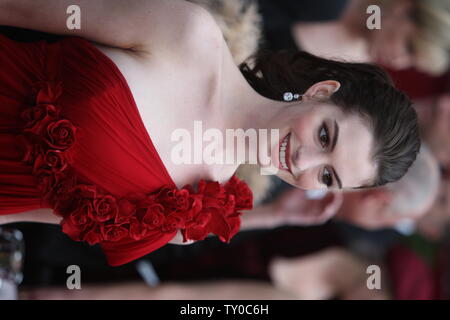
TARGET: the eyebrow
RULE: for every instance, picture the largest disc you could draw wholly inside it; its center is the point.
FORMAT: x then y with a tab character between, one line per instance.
333	144
337	178
336	135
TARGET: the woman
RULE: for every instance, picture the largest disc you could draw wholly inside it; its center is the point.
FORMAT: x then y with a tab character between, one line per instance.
77	118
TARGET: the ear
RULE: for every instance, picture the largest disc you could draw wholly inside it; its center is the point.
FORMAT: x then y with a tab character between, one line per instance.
321	90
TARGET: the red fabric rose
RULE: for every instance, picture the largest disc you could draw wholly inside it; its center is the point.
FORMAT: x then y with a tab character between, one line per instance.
38	117
60	134
63	185
167	198
47	179
55	159
94	234
81	215
243	194
229	206
114	232
213	193
73	197
189	210
126	211
197	229
105	208
172	223
182	199
152	216
77	221
73	231
228	228
137	229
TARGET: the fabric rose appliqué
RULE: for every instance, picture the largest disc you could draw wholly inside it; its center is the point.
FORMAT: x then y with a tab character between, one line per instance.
211	209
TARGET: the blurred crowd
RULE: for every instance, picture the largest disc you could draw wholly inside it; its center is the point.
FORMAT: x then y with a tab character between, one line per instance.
297	244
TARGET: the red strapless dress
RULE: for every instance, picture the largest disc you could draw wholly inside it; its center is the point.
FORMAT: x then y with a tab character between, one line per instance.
72	139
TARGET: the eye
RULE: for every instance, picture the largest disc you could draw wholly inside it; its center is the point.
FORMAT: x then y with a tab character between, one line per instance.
324	137
327	178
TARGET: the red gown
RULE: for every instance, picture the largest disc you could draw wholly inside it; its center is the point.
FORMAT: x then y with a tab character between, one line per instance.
72	139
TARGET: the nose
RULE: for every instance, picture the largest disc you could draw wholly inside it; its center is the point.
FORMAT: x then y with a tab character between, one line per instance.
305	158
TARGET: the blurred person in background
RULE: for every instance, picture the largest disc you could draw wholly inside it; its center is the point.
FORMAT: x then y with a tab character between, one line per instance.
331	273
341	274
413	33
435	223
434	119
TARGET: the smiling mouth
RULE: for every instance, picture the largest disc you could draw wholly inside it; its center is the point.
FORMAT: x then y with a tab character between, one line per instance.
284	153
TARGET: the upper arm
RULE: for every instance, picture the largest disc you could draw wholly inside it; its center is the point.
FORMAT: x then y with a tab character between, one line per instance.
42	215
162	25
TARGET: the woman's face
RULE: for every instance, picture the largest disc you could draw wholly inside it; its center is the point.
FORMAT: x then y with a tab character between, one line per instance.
321	147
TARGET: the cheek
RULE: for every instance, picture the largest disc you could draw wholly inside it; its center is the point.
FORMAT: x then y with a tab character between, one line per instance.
308	180
304	130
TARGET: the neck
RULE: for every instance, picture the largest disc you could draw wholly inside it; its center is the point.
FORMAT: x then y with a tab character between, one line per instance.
241	107
238	104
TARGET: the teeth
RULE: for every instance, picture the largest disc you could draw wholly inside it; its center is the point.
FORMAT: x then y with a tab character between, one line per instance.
283	152
283	157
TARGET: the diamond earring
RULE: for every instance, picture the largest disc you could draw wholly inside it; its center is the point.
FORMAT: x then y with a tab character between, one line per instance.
289	96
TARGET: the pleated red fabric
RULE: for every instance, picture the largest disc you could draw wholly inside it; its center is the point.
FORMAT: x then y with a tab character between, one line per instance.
72	139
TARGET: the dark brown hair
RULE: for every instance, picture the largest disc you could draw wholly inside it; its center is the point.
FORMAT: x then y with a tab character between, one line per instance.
365	89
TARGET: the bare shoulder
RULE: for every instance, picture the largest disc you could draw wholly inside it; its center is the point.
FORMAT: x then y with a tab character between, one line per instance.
197	38
202	31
